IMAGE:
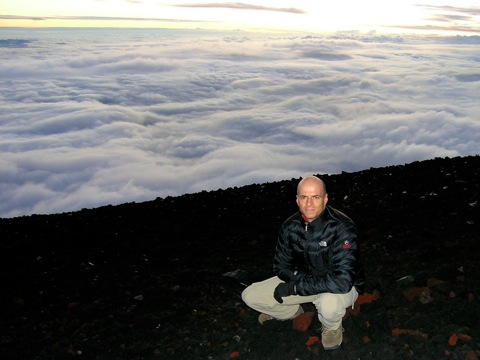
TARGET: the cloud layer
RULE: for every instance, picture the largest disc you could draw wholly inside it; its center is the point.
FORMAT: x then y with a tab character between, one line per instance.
97	117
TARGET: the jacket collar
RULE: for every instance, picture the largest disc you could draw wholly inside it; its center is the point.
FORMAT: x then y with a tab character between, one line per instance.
320	220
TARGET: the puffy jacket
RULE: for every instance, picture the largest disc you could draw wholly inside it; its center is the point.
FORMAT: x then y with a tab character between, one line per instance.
320	256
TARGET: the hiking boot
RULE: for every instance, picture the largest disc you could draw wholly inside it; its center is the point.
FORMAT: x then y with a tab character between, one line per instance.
332	339
264	317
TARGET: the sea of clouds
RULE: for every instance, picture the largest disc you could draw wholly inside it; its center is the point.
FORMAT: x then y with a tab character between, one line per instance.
106	116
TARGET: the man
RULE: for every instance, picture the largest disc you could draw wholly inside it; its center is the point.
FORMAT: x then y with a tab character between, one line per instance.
316	260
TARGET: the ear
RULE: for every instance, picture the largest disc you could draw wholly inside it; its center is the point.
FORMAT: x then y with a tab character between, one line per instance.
326	198
296	200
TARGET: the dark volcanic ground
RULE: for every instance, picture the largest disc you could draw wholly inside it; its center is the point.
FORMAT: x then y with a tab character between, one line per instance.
154	280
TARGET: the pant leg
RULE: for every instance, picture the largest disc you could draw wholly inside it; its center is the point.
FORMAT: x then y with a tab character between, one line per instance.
259	296
332	307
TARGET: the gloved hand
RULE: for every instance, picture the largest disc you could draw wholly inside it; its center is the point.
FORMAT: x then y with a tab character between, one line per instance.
284	289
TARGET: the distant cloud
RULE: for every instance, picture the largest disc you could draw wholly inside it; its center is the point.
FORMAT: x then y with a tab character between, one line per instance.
449	28
22	17
93	18
96	117
449	18
473	11
14	43
243	6
322	55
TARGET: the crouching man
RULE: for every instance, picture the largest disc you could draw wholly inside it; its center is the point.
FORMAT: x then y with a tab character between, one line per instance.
316	260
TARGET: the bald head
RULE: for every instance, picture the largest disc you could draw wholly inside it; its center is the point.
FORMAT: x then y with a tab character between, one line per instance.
312	180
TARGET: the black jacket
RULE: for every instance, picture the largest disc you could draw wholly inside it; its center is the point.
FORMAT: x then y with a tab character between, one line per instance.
321	256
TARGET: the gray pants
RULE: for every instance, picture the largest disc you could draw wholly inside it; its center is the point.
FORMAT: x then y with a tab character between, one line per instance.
330	307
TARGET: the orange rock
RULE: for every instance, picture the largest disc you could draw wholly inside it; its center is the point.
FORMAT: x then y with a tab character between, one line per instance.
453	340
72	305
351	311
368	298
234	355
412	293
471	355
432	283
464	337
302	322
421	293
398	332
312	340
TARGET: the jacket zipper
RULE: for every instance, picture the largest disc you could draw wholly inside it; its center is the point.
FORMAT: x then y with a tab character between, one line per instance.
307	238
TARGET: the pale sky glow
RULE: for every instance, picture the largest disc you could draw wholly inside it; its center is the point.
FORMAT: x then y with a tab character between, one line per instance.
394	16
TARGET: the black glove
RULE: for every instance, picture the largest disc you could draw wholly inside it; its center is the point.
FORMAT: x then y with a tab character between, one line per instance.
284	289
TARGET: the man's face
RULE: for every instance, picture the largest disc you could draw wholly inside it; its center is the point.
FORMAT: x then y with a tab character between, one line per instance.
311	199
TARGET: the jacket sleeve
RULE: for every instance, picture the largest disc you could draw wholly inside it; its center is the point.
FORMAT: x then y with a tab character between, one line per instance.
341	264
283	261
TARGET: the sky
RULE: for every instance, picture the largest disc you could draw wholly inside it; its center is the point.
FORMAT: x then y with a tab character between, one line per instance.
460	17
91	117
